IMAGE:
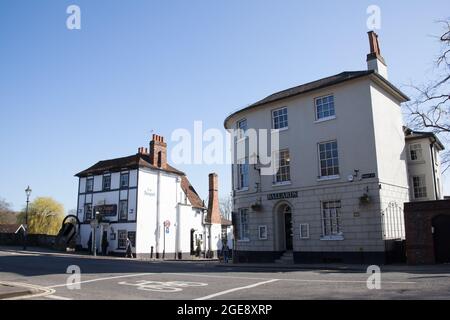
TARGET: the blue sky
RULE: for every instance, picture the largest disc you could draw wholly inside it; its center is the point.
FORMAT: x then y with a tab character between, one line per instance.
69	98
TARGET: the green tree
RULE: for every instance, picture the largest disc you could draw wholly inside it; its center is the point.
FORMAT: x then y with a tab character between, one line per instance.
45	216
7	215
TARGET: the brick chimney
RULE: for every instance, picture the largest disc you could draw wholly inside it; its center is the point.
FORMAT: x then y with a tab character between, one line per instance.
374	59
213	215
158	151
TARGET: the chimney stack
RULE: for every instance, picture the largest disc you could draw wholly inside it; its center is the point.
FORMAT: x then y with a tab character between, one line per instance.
213	215
374	59
158	151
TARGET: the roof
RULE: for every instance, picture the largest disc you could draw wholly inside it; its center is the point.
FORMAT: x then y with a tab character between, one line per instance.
135	161
413	135
226	222
10	228
192	195
319	84
140	160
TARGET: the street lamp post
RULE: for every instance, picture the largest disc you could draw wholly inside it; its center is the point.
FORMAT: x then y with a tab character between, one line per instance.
28	193
95	224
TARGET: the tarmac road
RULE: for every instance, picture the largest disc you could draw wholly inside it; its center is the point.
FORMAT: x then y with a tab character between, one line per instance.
48	277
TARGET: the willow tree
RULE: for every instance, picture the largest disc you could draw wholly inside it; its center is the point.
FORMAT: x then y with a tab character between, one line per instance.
45	216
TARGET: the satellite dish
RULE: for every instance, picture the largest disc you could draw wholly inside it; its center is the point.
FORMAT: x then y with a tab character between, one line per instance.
350	178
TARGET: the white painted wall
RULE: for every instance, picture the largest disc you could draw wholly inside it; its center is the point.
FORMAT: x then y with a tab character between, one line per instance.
425	168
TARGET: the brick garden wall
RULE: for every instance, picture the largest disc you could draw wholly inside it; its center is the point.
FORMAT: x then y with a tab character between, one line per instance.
34	240
418	228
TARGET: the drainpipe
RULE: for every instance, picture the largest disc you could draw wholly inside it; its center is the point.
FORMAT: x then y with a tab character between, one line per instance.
178	223
434	171
158	222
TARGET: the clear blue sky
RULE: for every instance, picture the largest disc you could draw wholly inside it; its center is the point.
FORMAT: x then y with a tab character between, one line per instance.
71	98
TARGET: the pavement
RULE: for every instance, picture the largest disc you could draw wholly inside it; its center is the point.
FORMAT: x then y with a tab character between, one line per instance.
49	275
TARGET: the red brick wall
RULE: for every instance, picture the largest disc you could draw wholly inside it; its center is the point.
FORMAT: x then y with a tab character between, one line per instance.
418	229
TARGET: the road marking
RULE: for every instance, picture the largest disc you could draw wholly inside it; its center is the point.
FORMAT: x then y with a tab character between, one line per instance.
159	286
57	297
101	279
211	276
295	280
44	291
221	293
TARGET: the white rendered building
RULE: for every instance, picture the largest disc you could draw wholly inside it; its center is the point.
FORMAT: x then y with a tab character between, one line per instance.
145	199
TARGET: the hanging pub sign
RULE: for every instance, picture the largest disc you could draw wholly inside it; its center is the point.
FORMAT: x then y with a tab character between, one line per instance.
107	210
282	195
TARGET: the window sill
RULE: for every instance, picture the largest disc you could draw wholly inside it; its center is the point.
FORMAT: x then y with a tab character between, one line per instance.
416	162
244	240
280	184
327	178
281	129
241	190
325	119
332	238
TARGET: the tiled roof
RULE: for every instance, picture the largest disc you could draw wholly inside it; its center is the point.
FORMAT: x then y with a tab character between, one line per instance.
143	160
131	162
192	195
319	84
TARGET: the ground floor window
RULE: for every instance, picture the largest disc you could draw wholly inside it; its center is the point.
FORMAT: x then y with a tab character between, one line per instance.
331	218
132	237
419	187
243	233
122	239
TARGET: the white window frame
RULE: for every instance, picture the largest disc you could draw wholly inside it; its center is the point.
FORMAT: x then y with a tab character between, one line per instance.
86	218
89	181
334	175
120	210
262	235
287	174
418	151
286	121
241	133
327	232
103	182
119	239
122	175
302	236
240	176
316	108
244	234
424	186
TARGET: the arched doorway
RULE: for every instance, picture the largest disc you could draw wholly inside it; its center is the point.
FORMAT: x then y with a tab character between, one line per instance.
441	238
284	227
